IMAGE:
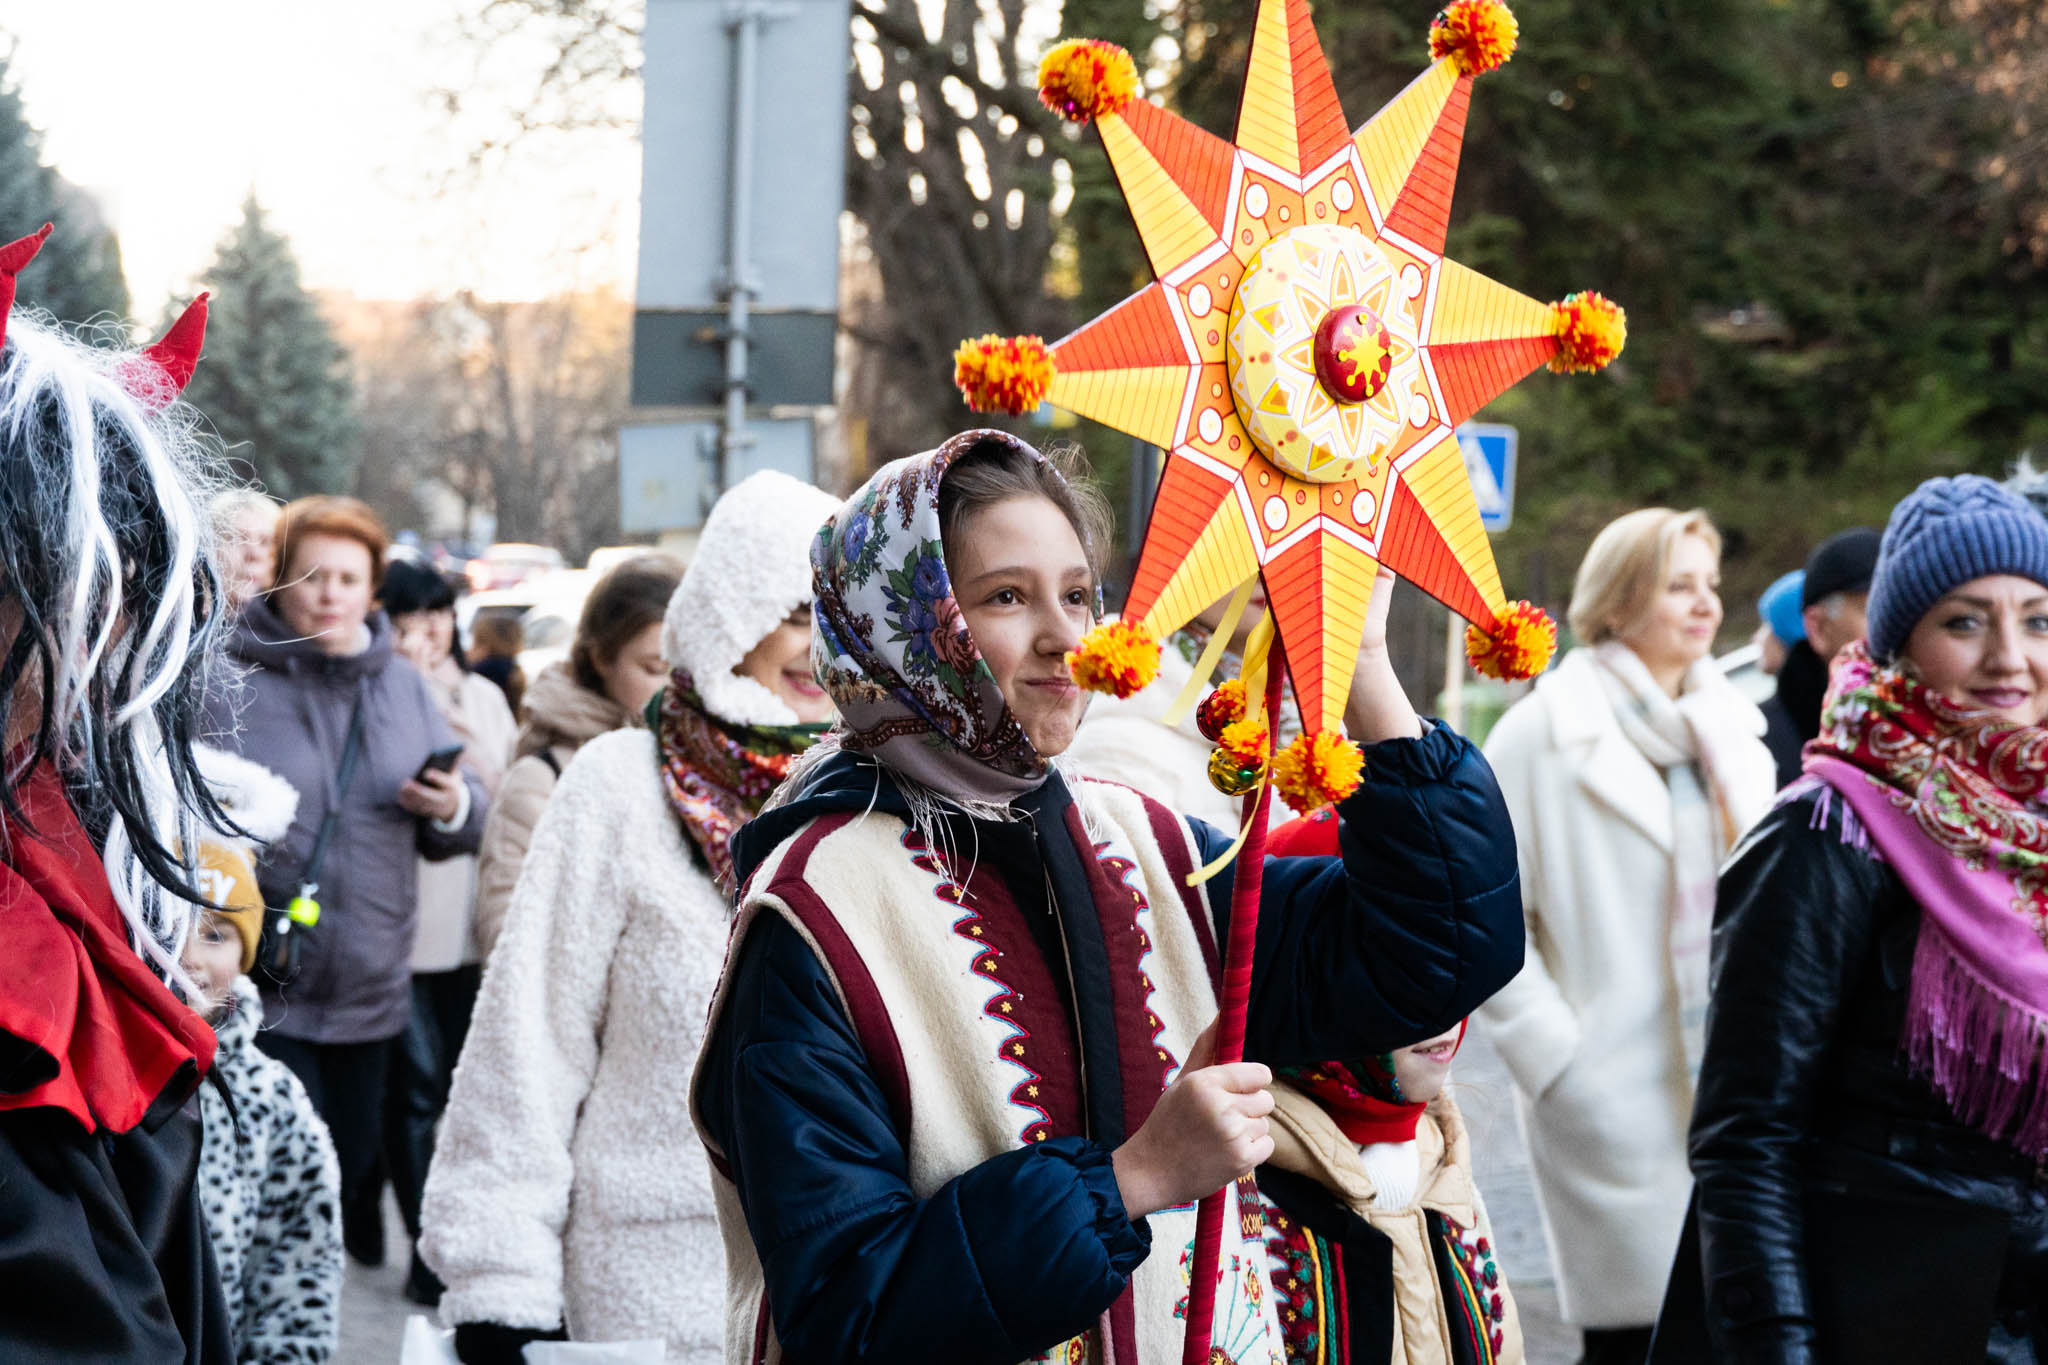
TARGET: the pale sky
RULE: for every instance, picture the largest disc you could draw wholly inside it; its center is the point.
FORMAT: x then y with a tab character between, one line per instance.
169	113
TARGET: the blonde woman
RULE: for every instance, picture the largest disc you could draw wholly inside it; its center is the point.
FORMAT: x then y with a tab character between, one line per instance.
1630	772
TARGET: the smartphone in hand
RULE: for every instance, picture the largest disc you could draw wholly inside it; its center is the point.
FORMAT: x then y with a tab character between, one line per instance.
442	760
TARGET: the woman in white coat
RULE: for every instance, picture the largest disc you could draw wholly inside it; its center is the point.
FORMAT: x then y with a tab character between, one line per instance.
1630	772
569	1194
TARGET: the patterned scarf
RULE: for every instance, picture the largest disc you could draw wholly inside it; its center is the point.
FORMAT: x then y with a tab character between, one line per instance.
1952	799
718	775
891	646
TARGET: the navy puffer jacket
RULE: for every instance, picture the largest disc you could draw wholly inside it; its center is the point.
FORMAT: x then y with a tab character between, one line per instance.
1419	921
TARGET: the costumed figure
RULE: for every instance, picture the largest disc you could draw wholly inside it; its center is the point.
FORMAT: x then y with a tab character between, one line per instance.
1304	358
1631	770
268	1178
614	665
958	1091
569	1195
1872	1123
109	607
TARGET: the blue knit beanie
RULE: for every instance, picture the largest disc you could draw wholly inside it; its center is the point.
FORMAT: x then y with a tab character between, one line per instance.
1942	534
1779	607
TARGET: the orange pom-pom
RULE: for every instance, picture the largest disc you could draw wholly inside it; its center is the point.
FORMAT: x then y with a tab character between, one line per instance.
1317	770
1086	78
1591	329
1477	35
1003	374
1220	709
1117	657
1246	741
1519	646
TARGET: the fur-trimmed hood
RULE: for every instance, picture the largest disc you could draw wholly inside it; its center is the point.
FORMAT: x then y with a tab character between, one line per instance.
259	802
752	568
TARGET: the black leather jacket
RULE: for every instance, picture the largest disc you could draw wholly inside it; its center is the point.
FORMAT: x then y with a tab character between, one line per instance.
1837	1194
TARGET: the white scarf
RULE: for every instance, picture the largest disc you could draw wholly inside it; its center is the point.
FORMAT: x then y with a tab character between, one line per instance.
1682	738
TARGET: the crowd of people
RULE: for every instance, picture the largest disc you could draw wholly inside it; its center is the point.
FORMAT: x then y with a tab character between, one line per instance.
801	971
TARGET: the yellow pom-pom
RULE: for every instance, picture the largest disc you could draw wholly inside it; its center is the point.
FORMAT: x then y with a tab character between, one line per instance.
1477	35
1087	78
1117	657
1220	709
1246	741
1003	374
1591	330
1317	770
1519	646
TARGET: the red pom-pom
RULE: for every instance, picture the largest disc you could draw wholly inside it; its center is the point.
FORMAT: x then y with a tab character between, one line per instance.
1117	657
1519	646
1317	770
1221	709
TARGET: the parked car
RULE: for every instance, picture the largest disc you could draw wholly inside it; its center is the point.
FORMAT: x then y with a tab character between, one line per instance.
1743	667
508	564
546	608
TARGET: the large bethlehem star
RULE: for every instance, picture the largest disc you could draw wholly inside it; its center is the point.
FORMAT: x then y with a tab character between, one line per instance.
1307	350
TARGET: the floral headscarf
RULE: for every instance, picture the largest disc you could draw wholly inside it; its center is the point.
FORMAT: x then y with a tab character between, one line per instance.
891	646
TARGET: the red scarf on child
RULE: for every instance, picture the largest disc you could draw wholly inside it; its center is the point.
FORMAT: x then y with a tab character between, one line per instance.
85	1025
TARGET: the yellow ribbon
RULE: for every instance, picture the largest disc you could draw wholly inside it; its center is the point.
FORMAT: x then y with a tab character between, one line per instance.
1219	640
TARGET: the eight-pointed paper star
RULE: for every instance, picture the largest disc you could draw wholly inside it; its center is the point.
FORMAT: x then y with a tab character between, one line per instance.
1280	461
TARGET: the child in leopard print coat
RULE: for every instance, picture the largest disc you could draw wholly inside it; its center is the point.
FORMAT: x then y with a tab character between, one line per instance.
268	1179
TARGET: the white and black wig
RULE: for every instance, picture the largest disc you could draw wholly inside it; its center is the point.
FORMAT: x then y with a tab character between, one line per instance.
109	605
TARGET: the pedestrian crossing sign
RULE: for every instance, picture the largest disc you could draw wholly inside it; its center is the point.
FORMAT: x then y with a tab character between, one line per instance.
1489	451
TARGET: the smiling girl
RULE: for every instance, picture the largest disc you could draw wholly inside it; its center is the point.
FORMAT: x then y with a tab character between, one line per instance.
957	1092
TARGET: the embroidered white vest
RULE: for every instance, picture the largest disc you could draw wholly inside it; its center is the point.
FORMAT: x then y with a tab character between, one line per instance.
942	1006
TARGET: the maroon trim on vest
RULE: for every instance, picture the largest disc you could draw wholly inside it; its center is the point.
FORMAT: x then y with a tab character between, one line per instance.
1123	1329
1040	1050
1143	1060
760	1352
1172	835
871	1023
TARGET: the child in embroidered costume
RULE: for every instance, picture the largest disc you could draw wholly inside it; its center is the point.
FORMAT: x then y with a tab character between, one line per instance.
1376	1232
956	1091
568	1195
268	1178
1872	1120
109	609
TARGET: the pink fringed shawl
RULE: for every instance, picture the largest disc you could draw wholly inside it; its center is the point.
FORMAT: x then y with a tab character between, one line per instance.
1951	799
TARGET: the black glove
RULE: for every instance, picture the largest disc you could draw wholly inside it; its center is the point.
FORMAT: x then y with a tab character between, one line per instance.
490	1343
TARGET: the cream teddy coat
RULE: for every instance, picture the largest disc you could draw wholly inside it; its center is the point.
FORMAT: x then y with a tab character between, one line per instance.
1589	1028
568	1182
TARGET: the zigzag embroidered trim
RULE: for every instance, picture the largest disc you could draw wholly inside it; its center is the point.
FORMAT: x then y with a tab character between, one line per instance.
1003	1002
1122	869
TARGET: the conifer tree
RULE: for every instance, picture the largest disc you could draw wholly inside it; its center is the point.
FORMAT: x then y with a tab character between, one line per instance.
274	381
80	280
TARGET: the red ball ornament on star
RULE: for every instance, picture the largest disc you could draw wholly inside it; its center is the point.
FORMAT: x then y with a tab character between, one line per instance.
1354	353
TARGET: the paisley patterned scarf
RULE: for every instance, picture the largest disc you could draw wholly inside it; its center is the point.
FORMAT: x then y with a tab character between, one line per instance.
717	775
891	646
1952	799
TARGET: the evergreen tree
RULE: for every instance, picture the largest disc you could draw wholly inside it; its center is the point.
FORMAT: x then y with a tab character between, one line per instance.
274	382
79	277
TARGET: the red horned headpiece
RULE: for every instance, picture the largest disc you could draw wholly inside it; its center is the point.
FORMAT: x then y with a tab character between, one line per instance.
159	374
